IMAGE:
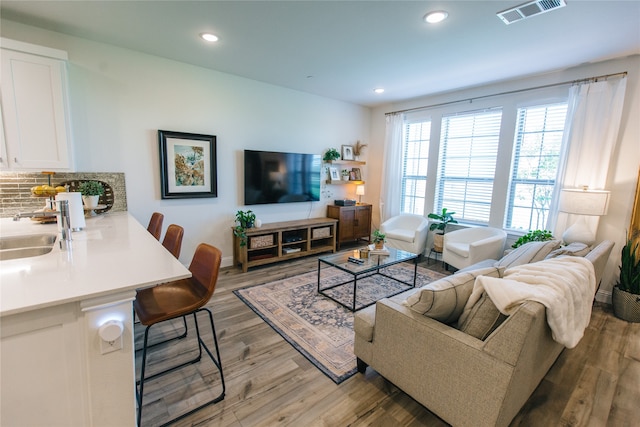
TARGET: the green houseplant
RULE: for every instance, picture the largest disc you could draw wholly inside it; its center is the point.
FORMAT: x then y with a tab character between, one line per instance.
439	224
626	293
533	236
244	220
331	154
91	192
379	238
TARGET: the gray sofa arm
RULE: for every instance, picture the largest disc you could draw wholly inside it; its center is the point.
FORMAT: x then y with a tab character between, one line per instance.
458	377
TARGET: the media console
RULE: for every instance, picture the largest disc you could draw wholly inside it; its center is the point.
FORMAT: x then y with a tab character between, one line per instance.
280	241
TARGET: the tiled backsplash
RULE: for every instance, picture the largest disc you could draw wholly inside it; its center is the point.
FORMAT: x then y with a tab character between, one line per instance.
15	189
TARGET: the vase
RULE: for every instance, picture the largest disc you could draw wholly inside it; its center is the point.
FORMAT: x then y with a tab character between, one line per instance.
90	201
379	245
626	306
345	178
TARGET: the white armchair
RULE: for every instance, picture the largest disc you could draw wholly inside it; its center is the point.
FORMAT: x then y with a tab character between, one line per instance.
407	232
468	246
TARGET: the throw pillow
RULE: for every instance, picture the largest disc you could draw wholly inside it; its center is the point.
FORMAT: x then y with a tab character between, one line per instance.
482	319
445	299
528	253
572	249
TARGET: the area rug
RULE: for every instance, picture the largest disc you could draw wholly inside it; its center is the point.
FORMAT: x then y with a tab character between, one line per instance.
316	326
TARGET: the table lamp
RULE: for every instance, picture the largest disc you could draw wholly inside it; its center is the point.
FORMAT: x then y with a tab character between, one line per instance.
360	193
583	202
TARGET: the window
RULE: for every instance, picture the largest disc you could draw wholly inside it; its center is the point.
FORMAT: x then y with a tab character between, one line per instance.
414	169
468	151
538	141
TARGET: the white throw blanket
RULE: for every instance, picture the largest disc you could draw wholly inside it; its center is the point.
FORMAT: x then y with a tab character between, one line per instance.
564	285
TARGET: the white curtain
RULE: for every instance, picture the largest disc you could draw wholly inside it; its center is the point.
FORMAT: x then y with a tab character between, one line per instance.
590	134
391	188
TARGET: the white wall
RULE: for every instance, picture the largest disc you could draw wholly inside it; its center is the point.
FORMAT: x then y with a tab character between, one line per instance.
623	170
120	98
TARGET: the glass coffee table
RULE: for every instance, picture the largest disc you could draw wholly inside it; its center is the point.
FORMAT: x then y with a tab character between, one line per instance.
374	265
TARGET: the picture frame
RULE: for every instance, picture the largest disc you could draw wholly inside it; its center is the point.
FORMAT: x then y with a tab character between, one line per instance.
352	176
188	166
347	152
334	175
357	174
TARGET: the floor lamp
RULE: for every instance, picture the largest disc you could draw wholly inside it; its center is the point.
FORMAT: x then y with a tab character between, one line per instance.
583	202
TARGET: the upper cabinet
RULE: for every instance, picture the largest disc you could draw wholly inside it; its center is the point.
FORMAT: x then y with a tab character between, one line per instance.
35	114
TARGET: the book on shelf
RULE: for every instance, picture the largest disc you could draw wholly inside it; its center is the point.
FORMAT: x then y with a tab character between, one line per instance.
291	250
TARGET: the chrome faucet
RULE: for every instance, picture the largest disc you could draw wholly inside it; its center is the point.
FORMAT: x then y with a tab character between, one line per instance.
63	213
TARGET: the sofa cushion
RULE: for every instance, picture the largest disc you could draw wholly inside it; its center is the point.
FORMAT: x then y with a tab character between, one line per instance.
401	234
445	299
528	253
481	319
364	321
458	248
572	249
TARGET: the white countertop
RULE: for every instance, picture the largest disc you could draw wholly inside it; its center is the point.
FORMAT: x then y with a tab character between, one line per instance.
113	253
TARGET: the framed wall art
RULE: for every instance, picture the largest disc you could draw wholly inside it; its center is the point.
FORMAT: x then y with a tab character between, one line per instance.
334	175
187	165
347	152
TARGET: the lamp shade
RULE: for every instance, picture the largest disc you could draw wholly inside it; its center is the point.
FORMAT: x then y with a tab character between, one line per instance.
584	202
360	190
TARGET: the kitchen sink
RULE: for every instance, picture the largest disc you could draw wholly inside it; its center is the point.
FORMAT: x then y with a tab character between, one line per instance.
15	247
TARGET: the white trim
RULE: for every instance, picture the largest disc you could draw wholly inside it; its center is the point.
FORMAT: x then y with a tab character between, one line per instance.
33	49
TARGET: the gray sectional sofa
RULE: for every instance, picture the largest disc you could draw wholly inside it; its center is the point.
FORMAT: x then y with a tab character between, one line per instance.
467	380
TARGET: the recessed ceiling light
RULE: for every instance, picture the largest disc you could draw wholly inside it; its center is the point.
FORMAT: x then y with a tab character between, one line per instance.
209	37
378	90
435	17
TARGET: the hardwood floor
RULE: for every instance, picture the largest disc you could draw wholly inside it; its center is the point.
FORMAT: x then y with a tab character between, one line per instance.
269	383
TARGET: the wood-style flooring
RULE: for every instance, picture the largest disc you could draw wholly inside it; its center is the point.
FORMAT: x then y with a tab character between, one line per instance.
269	383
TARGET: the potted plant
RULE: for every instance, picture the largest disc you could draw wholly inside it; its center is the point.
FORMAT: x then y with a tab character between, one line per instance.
91	192
533	236
244	220
330	155
440	224
626	293
378	239
345	174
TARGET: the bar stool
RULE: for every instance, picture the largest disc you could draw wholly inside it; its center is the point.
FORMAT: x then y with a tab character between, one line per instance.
155	225
176	299
173	239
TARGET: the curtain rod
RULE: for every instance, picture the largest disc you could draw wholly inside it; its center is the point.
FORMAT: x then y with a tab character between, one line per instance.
605	76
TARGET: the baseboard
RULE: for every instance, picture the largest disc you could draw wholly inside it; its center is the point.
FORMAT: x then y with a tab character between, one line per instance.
226	261
603	296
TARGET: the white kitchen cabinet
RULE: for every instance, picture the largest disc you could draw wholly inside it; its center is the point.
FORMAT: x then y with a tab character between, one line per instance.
34	108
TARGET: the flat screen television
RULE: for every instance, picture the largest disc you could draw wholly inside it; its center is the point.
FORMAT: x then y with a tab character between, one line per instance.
276	177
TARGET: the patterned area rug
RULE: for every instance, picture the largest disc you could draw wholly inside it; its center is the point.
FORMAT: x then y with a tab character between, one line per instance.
316	326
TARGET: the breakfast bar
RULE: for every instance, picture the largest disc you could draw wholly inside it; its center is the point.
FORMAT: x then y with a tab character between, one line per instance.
56	311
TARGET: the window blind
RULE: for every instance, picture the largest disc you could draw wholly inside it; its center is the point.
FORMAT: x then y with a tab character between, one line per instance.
414	168
468	151
538	143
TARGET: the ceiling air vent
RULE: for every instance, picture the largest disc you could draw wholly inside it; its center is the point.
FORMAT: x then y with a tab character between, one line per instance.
529	9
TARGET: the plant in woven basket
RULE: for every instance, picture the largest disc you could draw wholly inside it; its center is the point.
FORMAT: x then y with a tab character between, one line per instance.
533	236
626	293
378	238
244	220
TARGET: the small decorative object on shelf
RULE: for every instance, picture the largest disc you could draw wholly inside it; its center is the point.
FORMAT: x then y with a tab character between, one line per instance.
91	192
244	220
345	174
357	149
330	155
347	152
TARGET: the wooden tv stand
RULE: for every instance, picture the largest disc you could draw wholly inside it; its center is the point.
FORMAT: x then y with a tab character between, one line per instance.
280	241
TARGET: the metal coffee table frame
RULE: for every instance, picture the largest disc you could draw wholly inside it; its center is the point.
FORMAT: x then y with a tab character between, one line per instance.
373	266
